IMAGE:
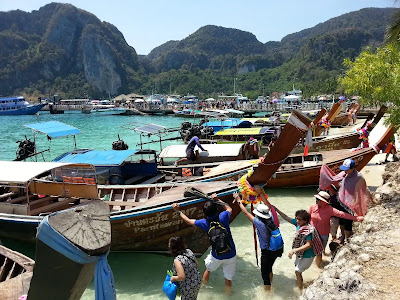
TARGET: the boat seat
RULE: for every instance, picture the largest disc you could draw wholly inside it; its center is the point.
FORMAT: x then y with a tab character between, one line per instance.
21	199
134	179
154	179
5	196
40	202
59	205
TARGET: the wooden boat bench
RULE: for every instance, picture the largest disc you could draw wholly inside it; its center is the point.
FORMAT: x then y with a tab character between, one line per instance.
154	179
41	202
59	205
22	199
135	179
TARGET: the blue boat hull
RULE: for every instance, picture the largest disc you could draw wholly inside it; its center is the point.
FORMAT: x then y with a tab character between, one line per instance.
29	110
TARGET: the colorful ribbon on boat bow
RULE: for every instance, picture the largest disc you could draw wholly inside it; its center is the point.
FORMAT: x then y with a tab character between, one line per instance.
245	188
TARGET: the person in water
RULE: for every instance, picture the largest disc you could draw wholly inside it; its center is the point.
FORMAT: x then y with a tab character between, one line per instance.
306	243
185	269
190	153
321	213
214	260
267	225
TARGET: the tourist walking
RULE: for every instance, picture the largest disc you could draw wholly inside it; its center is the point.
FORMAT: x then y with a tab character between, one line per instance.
269	236
321	213
223	252
190	153
185	269
306	243
354	193
336	222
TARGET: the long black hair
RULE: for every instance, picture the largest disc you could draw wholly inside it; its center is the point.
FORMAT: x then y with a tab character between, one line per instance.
176	245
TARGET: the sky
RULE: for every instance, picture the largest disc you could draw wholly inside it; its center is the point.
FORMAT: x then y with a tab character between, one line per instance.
147	24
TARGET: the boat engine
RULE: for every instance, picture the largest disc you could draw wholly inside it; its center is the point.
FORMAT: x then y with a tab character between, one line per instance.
25	149
119	145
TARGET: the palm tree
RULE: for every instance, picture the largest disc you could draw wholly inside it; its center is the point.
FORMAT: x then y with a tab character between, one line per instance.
393	29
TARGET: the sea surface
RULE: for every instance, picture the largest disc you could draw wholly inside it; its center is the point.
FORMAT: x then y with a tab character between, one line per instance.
141	275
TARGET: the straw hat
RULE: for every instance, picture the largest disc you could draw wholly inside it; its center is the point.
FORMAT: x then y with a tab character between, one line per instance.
262	211
323	196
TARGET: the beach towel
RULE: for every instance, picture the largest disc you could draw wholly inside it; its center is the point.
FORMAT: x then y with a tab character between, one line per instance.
354	193
300	239
328	177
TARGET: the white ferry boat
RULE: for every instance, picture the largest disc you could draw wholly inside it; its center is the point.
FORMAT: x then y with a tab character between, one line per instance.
18	106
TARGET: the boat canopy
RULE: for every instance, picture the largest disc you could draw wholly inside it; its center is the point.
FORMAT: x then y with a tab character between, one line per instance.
96	157
22	172
246	131
213	150
54	129
228	123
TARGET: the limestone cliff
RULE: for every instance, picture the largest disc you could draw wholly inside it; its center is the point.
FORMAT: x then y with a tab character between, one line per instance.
59	40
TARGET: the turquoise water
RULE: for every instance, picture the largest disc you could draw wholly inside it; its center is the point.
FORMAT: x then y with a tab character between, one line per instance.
98	132
139	275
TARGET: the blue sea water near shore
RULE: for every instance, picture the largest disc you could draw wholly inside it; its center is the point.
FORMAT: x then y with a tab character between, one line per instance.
140	275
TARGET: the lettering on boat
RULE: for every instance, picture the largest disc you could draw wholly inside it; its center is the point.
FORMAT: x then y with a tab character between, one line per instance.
161	220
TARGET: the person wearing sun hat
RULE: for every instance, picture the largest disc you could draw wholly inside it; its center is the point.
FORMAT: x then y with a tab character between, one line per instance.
269	237
321	213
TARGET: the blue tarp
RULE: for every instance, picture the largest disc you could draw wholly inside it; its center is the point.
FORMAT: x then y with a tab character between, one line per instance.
227	123
103	276
54	129
97	158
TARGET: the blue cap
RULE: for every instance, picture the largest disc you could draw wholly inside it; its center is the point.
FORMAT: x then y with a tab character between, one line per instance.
348	164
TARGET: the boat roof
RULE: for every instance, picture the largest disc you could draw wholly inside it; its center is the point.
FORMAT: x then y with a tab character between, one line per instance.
213	150
227	122
22	171
54	129
246	131
96	157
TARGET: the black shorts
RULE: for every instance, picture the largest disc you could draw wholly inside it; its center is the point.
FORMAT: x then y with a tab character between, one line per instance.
348	224
190	154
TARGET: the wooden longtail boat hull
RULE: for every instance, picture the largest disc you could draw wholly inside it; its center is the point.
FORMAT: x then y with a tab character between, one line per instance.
294	129
341	120
335	110
16	271
142	218
306	176
55	276
341	141
148	228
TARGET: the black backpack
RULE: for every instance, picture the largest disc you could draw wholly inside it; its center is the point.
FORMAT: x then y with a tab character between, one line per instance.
219	238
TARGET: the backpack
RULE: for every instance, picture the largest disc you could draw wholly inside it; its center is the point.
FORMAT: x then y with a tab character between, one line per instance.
276	241
219	238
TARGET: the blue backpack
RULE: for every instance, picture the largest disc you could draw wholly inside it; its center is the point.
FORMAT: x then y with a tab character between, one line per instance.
276	241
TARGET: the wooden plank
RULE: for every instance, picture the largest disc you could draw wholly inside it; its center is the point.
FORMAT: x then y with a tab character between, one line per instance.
21	199
122	203
51	207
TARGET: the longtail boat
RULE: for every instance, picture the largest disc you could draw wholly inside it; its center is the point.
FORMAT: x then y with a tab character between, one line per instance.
301	172
16	272
334	111
142	218
53	274
342	141
345	118
296	126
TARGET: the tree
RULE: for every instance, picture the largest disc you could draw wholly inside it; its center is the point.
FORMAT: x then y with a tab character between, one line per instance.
375	77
